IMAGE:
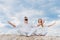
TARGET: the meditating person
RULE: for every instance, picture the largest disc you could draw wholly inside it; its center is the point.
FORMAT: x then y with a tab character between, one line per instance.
14	30
42	29
25	28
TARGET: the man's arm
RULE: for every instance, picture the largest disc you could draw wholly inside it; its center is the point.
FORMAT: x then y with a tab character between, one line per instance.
12	24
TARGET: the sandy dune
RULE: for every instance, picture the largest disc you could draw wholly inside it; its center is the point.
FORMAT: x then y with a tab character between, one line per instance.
17	37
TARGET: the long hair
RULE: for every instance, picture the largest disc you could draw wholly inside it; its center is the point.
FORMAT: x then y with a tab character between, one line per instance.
41	22
26	18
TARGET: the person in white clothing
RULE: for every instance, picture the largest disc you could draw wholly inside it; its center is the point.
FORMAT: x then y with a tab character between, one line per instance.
14	30
25	29
42	29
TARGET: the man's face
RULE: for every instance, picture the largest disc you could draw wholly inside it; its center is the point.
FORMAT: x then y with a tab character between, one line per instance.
26	20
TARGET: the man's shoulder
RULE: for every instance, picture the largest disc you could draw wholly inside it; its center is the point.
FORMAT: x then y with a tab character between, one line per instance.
19	25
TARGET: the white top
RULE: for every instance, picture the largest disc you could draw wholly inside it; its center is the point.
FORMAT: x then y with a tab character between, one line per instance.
25	27
42	30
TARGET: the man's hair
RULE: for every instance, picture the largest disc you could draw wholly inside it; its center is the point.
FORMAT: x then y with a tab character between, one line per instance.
25	18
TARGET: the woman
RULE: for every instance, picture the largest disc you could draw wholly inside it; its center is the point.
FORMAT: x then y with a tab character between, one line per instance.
42	28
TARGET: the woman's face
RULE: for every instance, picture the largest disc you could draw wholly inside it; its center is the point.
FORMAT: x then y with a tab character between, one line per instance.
40	21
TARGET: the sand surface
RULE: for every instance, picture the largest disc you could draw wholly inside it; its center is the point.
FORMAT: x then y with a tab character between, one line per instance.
17	37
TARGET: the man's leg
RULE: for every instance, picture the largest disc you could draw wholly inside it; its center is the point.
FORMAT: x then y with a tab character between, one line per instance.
32	31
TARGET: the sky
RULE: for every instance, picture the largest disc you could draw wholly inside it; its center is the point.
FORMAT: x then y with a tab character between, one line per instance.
15	10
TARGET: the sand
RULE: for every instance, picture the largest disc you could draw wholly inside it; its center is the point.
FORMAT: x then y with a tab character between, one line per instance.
18	37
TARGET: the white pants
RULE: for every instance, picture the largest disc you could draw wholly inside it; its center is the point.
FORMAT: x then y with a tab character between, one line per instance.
40	32
13	31
27	32
17	31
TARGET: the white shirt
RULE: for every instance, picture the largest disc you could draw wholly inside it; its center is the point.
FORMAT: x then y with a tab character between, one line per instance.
42	30
25	27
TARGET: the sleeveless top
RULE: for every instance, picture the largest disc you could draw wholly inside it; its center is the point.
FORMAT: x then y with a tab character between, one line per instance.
42	30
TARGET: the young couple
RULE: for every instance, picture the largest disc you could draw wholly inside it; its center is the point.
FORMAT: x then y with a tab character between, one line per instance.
28	29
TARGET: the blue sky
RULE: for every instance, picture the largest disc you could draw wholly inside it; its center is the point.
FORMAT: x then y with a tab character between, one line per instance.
15	10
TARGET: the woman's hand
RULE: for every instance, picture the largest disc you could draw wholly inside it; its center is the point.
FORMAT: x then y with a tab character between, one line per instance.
52	24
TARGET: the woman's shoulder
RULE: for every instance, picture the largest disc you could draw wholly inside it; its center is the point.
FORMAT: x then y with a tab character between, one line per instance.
45	25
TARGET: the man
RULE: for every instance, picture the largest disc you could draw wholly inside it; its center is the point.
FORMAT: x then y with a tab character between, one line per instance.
25	29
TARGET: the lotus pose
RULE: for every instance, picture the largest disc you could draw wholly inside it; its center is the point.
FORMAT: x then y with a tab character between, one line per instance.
25	29
42	28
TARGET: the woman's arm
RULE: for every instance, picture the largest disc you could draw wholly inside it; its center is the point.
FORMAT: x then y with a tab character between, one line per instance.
52	24
12	24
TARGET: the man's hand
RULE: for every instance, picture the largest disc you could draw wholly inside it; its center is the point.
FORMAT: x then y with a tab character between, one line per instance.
12	24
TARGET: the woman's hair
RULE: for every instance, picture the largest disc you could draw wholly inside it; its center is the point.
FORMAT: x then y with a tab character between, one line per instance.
41	21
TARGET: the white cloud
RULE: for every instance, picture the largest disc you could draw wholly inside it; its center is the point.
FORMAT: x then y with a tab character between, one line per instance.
2	25
14	20
58	11
36	1
55	9
6	2
27	12
59	16
40	3
51	0
5	9
58	22
24	12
